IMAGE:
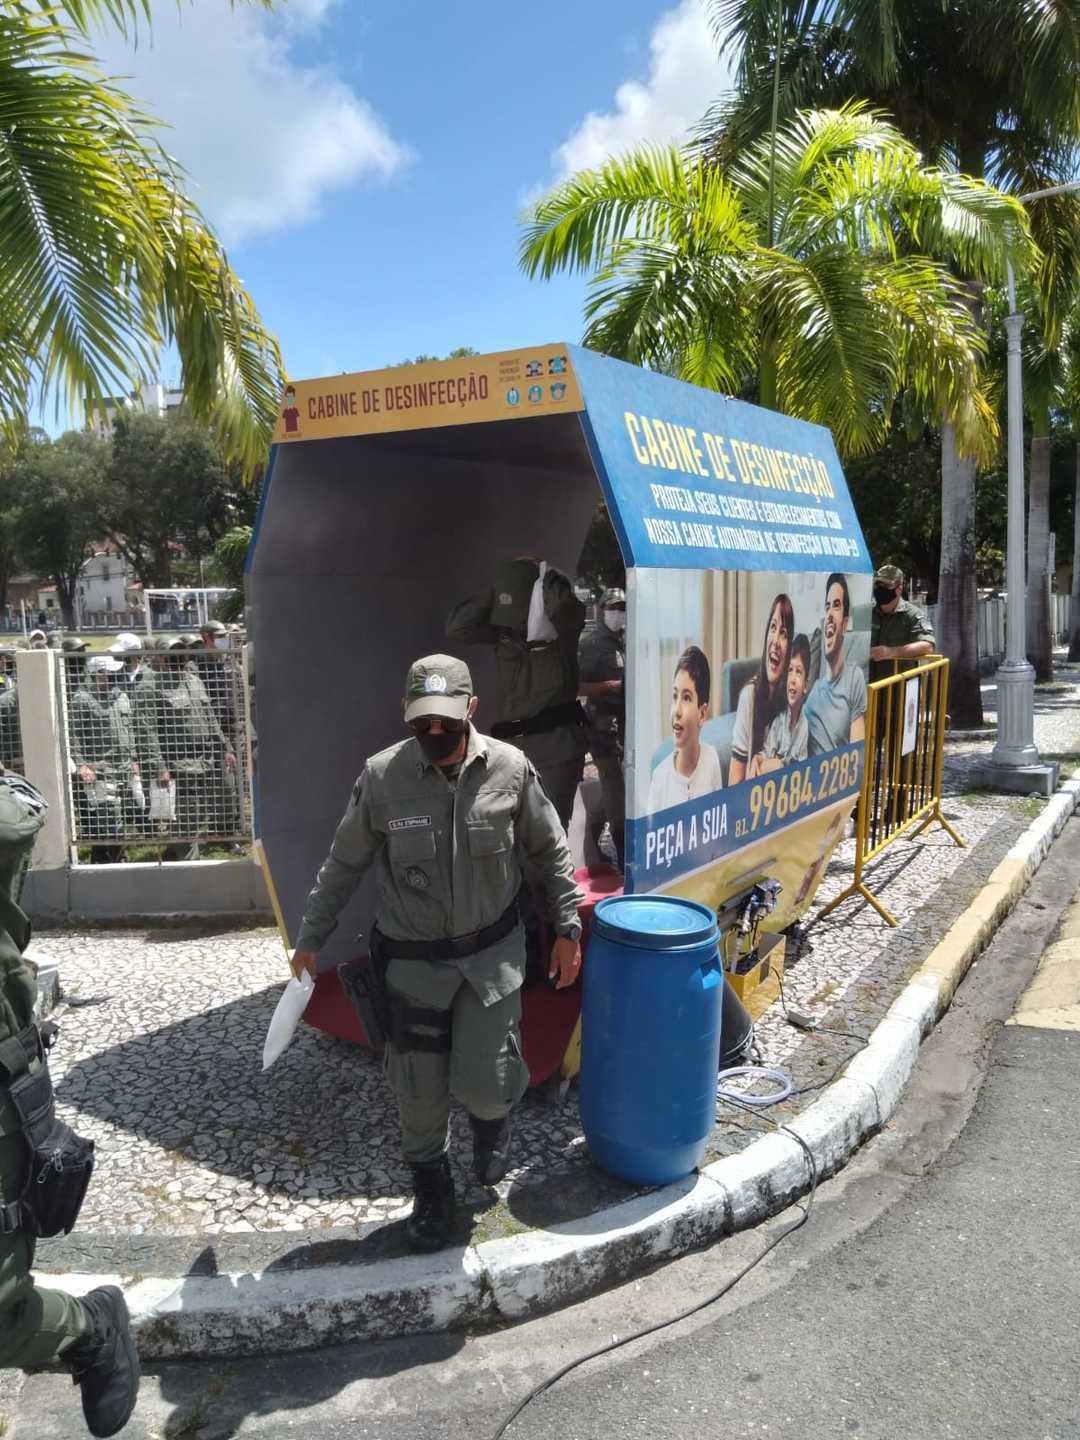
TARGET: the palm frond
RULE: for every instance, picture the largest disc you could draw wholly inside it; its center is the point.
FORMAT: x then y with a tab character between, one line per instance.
103	259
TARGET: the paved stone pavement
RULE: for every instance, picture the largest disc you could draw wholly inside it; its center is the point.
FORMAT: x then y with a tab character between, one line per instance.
160	1054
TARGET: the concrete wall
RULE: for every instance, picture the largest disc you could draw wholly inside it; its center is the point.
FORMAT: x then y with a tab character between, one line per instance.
119	892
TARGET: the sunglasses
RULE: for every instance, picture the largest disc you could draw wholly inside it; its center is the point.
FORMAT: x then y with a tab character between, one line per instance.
423	724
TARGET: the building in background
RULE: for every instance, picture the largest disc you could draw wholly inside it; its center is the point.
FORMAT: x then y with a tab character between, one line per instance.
103	595
153	399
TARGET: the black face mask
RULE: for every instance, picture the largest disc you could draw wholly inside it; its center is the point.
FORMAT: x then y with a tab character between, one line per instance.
883	595
438	747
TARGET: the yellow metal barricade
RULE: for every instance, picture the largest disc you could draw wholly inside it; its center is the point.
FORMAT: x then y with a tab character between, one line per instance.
904	758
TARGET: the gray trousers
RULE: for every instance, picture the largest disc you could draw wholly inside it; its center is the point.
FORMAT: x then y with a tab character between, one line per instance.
466	1048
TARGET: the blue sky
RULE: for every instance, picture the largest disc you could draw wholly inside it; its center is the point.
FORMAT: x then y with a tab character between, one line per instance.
366	160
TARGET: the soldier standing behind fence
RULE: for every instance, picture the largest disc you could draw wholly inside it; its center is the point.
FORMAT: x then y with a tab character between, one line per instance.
194	749
899	631
10	744
102	741
218	674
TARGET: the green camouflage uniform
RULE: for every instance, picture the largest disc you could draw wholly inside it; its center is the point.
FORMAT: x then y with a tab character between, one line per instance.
601	657
533	676
906	624
36	1325
193	746
102	736
448	857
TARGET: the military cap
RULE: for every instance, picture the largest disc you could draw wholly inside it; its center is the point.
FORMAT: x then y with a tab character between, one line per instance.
178	642
191	642
612	597
72	645
438	685
889	575
212	627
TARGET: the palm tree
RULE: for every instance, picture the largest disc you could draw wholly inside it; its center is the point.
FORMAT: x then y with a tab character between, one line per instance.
991	87
103	259
835	317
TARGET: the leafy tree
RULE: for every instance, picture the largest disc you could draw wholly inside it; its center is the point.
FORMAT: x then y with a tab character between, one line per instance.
57	520
836	315
601	563
895	490
103	258
461	353
989	86
230	556
166	484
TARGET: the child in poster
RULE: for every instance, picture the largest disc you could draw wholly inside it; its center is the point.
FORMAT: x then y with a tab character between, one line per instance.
693	767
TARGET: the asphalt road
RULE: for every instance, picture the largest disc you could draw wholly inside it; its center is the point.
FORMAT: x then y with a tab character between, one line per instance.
935	1292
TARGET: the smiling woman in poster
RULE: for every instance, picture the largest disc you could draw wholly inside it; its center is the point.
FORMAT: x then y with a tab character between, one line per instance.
765	696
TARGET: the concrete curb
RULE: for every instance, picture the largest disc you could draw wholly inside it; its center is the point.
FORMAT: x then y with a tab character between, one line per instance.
512	1279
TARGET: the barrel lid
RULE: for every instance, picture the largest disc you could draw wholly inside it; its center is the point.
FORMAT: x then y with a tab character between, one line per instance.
654	922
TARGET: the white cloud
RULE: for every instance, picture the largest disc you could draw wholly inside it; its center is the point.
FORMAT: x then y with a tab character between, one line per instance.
685	78
262	136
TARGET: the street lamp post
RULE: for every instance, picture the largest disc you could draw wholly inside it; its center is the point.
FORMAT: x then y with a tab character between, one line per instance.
1015	763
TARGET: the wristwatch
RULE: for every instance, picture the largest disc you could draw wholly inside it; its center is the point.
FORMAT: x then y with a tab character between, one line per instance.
572	932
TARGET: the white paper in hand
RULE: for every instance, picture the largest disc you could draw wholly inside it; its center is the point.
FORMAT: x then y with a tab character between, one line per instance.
286	1017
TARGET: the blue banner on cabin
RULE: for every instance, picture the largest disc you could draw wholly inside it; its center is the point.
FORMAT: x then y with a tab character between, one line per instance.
674	843
696	481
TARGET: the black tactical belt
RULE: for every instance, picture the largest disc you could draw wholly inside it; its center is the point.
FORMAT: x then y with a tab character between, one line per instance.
539	724
454	947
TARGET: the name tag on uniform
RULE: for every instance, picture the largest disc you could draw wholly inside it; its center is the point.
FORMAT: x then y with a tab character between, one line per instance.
410	822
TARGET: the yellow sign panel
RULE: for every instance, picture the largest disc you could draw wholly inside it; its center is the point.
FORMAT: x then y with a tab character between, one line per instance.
504	386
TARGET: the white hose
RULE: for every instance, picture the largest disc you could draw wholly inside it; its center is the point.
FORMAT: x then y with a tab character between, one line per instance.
780	1078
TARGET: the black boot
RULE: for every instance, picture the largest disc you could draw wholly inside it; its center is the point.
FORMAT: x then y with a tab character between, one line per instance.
105	1363
491	1149
428	1227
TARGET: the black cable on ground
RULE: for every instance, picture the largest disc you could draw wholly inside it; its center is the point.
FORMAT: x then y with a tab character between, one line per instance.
693	1309
805	1210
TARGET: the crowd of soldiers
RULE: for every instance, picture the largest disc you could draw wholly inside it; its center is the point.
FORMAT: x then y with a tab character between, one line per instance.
154	728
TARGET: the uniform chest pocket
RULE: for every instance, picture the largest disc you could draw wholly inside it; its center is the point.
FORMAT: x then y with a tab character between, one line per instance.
409	846
489	837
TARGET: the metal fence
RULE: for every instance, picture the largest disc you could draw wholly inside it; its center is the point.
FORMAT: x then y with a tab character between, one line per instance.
157	751
11	751
990	616
903	760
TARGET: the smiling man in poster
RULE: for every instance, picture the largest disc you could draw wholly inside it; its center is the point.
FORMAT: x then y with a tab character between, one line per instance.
836	709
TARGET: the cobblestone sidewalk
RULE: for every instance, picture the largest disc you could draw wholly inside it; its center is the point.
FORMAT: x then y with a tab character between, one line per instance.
162	1031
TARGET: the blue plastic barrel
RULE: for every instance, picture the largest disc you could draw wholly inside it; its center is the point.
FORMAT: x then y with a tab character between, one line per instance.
650	1036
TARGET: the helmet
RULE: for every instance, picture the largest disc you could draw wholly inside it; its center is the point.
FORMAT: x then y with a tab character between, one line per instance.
191	642
72	645
612	597
212	627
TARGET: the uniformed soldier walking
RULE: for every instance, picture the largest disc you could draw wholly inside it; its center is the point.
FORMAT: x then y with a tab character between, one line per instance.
602	661
536	670
91	1336
448	817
